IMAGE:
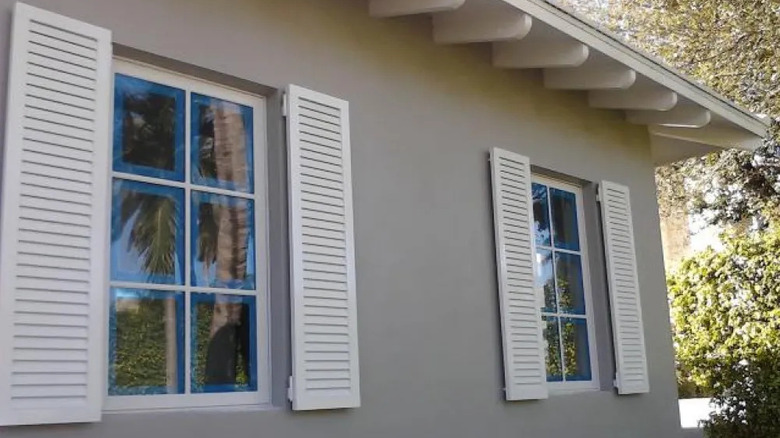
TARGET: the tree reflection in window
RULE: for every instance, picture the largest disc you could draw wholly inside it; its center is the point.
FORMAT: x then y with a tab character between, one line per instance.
224	356
146	340
147	242
222	146
559	277
223	241
148	128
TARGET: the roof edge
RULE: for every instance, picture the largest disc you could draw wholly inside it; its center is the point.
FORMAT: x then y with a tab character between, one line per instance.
604	41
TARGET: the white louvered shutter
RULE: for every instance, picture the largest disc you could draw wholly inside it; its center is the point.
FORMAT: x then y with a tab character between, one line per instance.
627	328
325	371
525	373
54	220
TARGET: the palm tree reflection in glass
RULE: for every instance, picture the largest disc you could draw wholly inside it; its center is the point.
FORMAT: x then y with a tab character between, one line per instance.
149	139
223	230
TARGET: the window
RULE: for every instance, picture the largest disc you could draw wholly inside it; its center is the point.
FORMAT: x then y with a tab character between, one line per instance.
187	294
562	279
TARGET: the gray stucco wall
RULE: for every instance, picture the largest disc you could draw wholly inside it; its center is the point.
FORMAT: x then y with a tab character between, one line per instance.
693	433
423	119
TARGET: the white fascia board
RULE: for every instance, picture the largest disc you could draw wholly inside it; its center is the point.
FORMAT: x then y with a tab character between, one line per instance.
601	40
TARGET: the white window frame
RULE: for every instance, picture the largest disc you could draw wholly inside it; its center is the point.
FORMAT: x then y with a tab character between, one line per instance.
573	386
200	400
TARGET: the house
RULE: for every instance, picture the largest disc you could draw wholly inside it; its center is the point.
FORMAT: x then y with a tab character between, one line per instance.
206	204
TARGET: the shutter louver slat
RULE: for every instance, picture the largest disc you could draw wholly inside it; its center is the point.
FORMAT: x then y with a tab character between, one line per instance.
324	325
54	220
627	328
521	321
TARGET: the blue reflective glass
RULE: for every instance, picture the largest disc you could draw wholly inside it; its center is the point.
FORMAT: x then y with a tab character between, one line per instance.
552	349
147	233
564	219
568	280
223	343
576	350
541	214
146	342
222	143
223	241
148	128
545	279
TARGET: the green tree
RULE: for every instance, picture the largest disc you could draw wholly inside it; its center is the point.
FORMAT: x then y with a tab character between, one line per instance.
726	320
748	401
732	47
726	306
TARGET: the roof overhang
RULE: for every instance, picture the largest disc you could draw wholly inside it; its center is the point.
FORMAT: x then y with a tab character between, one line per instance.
684	118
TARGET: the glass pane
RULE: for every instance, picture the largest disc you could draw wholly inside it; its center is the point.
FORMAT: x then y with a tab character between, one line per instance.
222	143
224	356
223	241
148	128
147	233
146	342
545	283
575	348
564	219
541	214
568	279
552	349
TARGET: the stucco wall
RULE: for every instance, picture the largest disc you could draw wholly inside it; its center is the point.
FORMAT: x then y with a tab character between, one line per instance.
423	120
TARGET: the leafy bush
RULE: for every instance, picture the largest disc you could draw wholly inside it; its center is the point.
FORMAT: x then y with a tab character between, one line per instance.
726	318
749	400
141	359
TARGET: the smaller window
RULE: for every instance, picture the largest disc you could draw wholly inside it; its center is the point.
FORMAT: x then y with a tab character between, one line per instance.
562	279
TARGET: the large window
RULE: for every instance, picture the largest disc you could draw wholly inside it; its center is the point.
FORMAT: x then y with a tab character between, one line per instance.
562	279
187	294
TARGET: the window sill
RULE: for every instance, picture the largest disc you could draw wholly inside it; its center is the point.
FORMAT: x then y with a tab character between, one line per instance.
205	409
556	390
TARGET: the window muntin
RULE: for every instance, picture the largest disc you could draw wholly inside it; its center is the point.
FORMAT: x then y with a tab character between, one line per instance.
563	285
187	283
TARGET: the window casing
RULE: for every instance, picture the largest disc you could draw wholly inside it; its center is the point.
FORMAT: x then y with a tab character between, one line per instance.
188	296
563	285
